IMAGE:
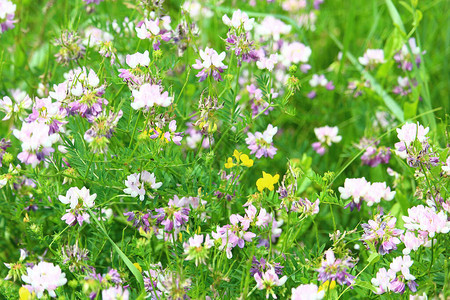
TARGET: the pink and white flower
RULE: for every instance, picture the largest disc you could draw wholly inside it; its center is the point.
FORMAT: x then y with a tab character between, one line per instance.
44	277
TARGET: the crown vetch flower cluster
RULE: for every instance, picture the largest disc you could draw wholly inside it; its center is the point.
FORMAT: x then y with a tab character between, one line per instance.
336	269
326	136
7	11
261	144
78	199
211	65
44	277
390	280
137	183
381	232
374	155
359	189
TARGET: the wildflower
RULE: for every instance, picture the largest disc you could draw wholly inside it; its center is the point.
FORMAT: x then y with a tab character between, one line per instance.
413	242
272	28
408	134
336	269
152	280
295	53
267	62
426	219
171	135
359	189
267	181
242	159
7	11
151	29
149	95
75	257
446	166
36	142
372	57
242	47
381	231
211	64
174	215
261	144
404	86
136	184
93	1
403	57
268	281
196	10
71	47
306	207
389	280
235	234
382	280
143	221
115	292
50	113
18	107
319	81
374	155
239	20
84	93
44	277
196	249
102	129
16	270
261	266
78	199
326	136
307	292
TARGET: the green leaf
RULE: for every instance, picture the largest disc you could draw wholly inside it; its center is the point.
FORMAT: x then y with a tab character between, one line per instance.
122	255
395	16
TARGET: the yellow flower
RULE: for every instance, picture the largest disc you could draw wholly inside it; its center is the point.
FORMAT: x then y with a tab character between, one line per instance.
138	266
229	164
241	160
246	161
237	154
267	181
327	285
24	294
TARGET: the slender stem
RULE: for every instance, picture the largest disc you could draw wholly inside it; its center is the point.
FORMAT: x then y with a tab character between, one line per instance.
134	130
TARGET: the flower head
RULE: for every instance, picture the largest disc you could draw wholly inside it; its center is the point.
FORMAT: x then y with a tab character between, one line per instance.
267	182
211	64
44	277
261	144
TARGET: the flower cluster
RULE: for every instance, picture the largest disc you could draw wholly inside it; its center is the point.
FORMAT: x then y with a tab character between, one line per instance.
211	65
389	280
359	189
336	269
7	11
326	136
261	144
381	232
79	200
374	154
44	277
137	183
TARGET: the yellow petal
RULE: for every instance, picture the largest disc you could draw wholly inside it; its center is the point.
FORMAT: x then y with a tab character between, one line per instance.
260	184
229	164
246	161
24	294
237	154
